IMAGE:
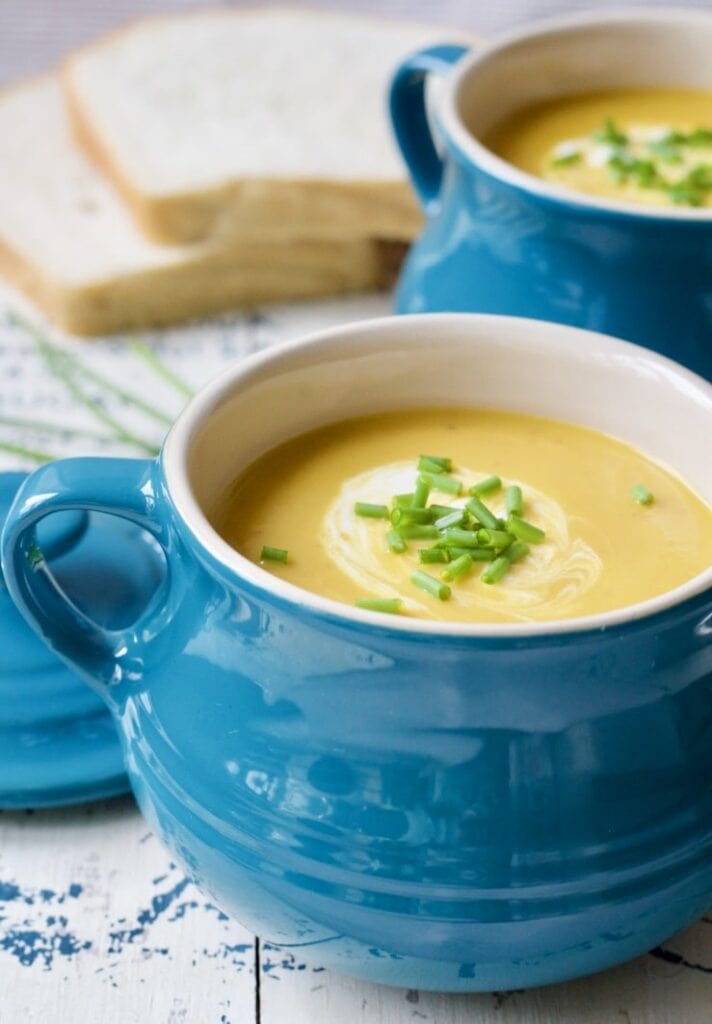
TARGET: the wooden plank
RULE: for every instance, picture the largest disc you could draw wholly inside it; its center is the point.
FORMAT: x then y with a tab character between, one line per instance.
649	990
97	926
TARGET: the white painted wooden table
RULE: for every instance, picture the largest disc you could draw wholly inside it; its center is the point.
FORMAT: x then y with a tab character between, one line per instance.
97	926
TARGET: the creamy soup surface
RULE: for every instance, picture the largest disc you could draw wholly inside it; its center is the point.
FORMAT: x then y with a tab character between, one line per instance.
650	146
602	549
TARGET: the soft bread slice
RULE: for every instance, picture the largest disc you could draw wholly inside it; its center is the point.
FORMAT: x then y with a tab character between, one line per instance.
225	122
67	241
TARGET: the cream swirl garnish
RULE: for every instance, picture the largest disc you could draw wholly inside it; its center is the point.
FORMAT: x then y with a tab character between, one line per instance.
555	572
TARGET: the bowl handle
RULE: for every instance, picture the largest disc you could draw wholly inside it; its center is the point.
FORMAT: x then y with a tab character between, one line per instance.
127	488
410	122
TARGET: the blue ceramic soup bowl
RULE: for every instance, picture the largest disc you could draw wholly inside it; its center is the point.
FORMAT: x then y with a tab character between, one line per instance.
420	803
499	240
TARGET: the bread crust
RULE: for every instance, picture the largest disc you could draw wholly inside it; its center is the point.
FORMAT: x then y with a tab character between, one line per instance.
251	208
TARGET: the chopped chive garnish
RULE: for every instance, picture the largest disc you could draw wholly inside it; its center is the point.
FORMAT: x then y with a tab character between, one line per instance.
441	510
452	518
391	605
436	464
458	568
426	465
496	570
431	585
403	500
434	555
363	508
517	551
699	137
422	490
402	516
396	543
486	486
498	539
610	133
442	482
418	531
476	554
641	494
444	464
455	536
566	159
514	503
268	554
482	513
525	531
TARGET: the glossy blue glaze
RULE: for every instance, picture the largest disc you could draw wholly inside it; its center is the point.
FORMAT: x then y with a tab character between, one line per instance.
492	246
434	811
58	743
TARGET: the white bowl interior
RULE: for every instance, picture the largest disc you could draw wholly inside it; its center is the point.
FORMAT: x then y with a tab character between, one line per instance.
447	360
658	48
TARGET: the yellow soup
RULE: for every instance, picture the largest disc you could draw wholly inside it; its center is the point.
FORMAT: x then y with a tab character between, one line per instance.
601	550
651	146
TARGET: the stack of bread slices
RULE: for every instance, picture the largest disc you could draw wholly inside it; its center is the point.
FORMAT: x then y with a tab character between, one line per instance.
199	162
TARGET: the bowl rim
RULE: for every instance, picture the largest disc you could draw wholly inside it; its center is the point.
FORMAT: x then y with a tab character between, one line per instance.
174	463
466	145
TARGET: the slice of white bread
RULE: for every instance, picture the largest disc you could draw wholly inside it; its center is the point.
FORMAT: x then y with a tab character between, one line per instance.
223	122
67	241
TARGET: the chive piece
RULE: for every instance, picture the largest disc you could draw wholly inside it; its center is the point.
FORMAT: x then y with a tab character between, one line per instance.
268	554
454	536
430	585
401	500
426	465
458	568
443	482
498	539
513	500
517	551
391	605
486	486
402	516
476	554
453	518
496	570
419	531
427	555
422	490
523	530
566	159
442	510
436	464
666	149
482	513
610	133
641	494
396	543
699	137
363	508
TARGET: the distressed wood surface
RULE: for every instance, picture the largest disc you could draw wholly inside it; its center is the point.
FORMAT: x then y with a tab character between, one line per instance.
97	926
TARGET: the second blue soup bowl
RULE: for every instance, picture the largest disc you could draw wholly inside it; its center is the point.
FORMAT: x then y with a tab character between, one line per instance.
498	240
419	803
